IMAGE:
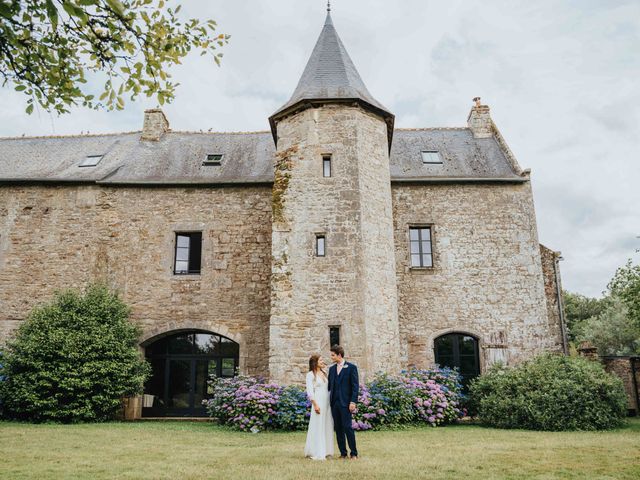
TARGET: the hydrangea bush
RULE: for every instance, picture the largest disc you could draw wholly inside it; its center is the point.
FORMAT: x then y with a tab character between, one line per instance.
250	404
429	397
294	408
413	397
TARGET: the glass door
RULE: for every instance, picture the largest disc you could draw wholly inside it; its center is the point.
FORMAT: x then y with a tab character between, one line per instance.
182	365
179	386
456	350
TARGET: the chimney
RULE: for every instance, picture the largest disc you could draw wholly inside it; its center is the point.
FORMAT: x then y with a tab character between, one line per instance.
479	120
155	125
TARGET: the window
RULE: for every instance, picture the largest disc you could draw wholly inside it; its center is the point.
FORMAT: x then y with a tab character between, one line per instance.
431	158
91	161
320	245
420	246
334	336
326	165
213	159
188	253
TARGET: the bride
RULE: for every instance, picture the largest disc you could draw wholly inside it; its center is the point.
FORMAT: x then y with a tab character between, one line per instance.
320	434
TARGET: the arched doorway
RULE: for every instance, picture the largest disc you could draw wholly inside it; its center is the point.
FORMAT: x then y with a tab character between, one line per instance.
181	365
459	350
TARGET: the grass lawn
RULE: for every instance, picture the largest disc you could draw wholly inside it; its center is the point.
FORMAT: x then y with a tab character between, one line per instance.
176	450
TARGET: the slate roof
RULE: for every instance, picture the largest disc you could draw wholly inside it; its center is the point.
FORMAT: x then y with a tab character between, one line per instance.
464	158
177	158
331	76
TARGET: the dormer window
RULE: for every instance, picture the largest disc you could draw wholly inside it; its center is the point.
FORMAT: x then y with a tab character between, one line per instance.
91	161
431	157
214	159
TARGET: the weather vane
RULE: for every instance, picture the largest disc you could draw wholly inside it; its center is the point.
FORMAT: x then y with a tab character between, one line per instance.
328	5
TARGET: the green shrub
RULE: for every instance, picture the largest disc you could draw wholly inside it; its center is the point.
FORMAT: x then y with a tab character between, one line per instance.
550	392
73	360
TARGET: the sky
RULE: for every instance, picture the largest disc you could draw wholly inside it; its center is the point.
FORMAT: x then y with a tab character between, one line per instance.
561	78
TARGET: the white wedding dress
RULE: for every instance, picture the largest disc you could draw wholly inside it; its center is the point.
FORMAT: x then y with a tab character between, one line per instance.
320	433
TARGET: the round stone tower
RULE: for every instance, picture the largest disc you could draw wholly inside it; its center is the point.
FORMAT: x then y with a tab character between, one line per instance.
333	250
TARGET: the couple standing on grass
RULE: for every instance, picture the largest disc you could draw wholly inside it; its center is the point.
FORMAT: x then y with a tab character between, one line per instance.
333	402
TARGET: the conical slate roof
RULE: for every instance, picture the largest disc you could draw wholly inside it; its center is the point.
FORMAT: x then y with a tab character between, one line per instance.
330	77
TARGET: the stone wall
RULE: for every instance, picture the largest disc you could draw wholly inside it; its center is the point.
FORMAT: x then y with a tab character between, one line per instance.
53	237
553	285
625	367
487	277
353	286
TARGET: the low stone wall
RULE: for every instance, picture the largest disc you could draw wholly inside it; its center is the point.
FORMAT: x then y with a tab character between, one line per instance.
628	369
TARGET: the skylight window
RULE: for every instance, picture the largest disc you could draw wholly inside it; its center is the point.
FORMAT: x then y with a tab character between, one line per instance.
431	157
213	159
91	161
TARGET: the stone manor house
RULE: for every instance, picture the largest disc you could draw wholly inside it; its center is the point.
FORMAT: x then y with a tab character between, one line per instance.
254	250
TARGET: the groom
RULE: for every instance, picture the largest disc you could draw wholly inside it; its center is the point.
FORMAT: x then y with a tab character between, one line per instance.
343	390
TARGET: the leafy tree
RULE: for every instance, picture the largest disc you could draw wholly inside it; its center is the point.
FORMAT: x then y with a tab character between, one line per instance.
611	331
73	360
578	308
612	323
49	47
626	285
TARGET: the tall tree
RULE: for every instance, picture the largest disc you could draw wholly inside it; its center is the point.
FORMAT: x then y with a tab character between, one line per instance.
50	49
579	308
611	331
612	323
626	285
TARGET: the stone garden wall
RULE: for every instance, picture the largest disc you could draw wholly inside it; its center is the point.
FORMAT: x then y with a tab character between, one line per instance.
626	368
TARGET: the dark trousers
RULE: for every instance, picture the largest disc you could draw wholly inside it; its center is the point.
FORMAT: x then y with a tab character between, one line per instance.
342	425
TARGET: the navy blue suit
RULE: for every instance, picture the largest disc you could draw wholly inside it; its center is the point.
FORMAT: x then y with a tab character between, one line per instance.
343	390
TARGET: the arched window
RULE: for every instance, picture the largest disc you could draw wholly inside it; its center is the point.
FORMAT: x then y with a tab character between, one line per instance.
459	350
181	365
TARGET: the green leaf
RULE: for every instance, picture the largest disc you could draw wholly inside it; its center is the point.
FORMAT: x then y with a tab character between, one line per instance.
5	10
52	13
139	41
29	109
74	10
116	6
